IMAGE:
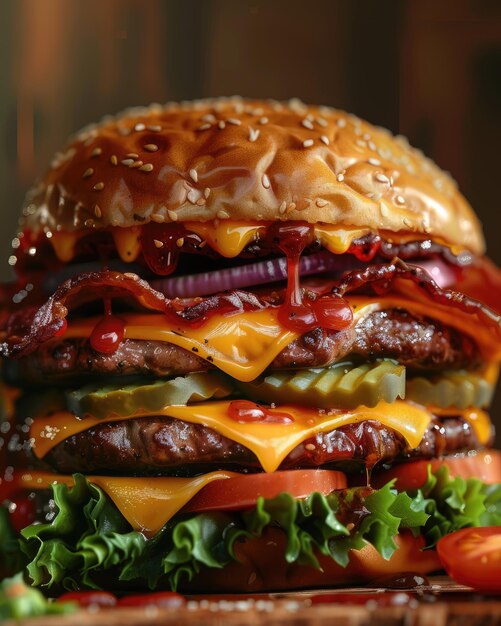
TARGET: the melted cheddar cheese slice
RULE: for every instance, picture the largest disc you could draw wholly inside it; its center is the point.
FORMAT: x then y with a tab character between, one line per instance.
227	237
146	503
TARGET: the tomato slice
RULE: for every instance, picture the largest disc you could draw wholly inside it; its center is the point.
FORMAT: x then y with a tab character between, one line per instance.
472	556
164	599
484	465
241	492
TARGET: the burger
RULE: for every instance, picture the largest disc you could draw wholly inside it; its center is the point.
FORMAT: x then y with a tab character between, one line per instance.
250	347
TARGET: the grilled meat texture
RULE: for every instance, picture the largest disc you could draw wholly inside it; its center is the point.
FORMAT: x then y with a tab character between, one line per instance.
163	445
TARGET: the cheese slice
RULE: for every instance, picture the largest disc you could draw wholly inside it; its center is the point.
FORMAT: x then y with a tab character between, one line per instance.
242	345
227	237
270	442
146	503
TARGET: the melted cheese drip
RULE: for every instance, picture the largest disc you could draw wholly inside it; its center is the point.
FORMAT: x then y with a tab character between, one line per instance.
127	242
228	238
146	503
271	443
241	345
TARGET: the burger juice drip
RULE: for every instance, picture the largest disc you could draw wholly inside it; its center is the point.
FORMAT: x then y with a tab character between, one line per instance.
108	333
297	313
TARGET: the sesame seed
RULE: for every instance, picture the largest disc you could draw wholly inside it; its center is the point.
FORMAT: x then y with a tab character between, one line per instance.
266	181
381	178
192	196
340	178
113	159
88	172
307	124
307	143
341	122
136	164
158	218
139	127
204	127
322	122
132	155
361	143
321	203
372	146
127	162
12	260
399	199
221	124
324	139
200	202
147	167
97	211
234	121
375	162
155	128
309	446
282	207
158	243
209	117
180	242
98	186
206	192
253	134
384	210
172	215
151	147
291	206
264	120
223	215
96	152
194	175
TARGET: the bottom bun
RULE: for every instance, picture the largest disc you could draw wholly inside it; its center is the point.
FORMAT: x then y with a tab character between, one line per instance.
261	566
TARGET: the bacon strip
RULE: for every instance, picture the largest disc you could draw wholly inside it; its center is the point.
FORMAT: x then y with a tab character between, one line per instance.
29	327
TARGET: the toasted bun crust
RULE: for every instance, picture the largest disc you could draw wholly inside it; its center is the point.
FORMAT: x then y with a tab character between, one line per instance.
248	160
262	567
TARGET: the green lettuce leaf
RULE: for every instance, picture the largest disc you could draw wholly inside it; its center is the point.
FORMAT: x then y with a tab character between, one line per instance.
89	542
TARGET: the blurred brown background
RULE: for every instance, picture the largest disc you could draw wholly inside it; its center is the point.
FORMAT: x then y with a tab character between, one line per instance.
425	68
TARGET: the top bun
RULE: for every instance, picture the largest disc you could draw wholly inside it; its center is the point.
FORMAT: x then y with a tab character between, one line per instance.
239	159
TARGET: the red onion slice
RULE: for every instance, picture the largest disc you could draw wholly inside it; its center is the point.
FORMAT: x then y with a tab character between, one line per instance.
260	273
275	270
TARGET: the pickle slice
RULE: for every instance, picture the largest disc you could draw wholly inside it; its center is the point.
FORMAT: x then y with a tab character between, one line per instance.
127	400
343	385
459	390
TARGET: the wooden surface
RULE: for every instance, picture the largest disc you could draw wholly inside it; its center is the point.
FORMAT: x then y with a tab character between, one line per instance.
440	604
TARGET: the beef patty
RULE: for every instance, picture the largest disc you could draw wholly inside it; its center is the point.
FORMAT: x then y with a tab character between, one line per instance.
163	445
413	340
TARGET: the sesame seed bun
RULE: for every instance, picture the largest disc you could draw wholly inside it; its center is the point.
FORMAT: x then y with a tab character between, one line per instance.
248	160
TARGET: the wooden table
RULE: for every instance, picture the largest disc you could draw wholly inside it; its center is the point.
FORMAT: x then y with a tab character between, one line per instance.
439	604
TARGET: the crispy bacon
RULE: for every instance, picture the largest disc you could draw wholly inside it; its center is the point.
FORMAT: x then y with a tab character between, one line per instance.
28	328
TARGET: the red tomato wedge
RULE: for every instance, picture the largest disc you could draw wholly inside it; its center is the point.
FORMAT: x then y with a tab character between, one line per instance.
472	556
241	492
484	465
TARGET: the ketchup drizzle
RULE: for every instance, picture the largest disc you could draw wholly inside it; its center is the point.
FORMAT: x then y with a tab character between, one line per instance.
296	313
109	332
